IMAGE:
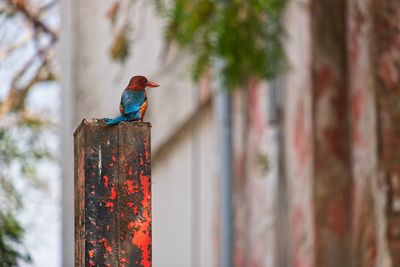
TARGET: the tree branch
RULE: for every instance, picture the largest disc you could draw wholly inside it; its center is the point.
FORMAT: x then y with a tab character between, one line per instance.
32	18
16	96
47	6
18	44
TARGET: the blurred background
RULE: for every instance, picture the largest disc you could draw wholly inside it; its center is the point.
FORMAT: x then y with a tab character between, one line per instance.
275	132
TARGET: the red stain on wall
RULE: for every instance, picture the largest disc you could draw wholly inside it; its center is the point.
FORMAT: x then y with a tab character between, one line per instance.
298	228
324	81
337	217
334	141
356	109
255	109
300	138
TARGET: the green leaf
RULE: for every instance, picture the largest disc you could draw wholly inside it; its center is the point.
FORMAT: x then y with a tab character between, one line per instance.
11	234
245	34
120	47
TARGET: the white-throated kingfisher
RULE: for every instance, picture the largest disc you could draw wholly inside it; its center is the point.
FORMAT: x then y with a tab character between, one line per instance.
134	102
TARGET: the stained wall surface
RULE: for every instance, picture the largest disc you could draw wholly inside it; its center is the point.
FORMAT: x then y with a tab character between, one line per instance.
339	173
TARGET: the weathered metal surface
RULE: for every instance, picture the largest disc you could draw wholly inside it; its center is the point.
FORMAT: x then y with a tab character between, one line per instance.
386	38
112	194
299	135
254	178
332	171
353	148
367	246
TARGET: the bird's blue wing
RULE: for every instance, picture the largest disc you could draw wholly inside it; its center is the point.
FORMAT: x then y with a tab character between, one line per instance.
131	101
115	120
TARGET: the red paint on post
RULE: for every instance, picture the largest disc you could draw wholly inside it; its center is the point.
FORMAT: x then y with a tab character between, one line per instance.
105	177
113	193
129	186
109	204
106	246
91	253
141	233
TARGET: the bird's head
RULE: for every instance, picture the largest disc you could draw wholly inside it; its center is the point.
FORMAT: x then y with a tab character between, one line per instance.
139	83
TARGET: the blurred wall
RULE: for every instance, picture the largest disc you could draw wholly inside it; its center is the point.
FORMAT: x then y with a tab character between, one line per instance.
339	172
341	111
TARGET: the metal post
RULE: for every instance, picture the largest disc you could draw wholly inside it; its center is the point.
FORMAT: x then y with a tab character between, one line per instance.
275	97
112	194
224	118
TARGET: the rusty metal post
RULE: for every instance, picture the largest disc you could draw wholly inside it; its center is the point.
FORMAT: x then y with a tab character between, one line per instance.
112	194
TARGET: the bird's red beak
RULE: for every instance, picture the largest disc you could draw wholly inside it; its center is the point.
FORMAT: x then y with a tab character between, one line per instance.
152	84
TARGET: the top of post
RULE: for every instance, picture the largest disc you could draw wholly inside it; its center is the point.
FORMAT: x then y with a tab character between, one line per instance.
99	122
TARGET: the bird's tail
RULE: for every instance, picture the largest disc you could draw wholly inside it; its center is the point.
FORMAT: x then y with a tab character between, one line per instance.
115	120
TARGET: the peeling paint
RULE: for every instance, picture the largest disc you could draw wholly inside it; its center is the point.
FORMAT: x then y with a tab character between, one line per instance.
100	164
105	178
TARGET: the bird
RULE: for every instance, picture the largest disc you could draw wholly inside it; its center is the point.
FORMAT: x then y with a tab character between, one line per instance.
134	102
